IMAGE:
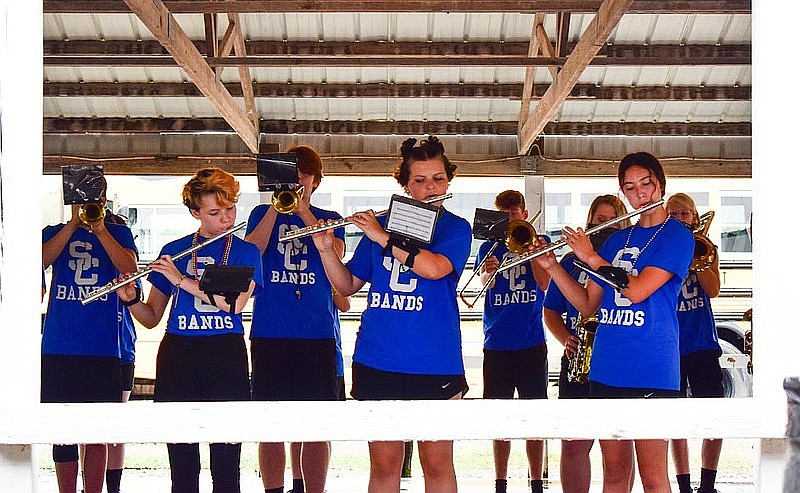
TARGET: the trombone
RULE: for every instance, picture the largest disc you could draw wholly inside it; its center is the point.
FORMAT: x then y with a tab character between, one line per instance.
310	230
520	235
98	293
558	244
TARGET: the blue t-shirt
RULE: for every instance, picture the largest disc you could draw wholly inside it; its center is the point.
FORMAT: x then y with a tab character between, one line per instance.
83	266
555	300
189	316
636	344
512	310
337	329
696	319
411	324
292	267
127	332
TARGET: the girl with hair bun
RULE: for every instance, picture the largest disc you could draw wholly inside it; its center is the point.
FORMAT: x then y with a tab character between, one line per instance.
409	344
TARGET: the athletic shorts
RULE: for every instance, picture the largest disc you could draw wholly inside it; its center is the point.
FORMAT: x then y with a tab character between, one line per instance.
127	376
67	378
370	384
567	389
294	369
701	375
523	370
601	391
198	369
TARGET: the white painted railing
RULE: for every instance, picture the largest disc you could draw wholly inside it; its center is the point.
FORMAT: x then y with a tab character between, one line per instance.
23	421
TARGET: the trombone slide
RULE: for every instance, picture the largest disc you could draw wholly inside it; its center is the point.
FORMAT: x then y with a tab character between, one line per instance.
99	293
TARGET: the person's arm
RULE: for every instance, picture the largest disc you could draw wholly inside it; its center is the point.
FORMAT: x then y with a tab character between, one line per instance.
342	280
709	279
53	247
342	303
427	264
261	234
124	259
147	313
555	324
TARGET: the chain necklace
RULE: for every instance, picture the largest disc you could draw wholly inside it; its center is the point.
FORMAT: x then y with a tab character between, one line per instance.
225	253
641	251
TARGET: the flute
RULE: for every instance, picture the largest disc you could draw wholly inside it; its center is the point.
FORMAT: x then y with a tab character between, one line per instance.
100	292
310	230
558	244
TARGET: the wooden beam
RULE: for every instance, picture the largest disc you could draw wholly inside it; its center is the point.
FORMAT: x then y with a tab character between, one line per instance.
530	72
246	81
370	165
387	90
165	28
522	6
373	127
595	35
668	54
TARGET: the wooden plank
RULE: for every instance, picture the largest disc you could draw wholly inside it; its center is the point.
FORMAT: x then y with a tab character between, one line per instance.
246	81
530	6
595	35
387	90
165	28
530	72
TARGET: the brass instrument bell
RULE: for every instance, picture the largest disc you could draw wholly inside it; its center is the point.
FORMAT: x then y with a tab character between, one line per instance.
705	252
521	235
286	201
92	214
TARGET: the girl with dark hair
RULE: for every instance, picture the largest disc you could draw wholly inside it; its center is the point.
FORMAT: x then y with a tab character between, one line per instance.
651	258
409	344
202	356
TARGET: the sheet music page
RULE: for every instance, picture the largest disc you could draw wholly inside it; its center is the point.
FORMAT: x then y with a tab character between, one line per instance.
411	220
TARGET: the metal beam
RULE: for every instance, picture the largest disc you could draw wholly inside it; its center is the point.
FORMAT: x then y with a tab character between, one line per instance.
522	6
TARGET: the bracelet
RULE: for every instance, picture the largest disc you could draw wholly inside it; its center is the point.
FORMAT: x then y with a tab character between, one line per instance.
136	299
178	284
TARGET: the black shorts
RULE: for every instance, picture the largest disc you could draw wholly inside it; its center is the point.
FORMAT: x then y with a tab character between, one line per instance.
198	369
370	384
524	370
701	375
341	393
601	391
567	389
294	369
127	376
80	379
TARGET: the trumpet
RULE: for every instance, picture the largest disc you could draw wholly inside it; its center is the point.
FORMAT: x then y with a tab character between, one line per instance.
99	293
286	201
579	365
92	213
310	230
521	234
525	257
705	253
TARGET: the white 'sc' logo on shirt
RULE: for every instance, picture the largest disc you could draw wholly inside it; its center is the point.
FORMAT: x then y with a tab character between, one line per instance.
627	265
200	305
82	261
690	282
287	248
514	276
394	266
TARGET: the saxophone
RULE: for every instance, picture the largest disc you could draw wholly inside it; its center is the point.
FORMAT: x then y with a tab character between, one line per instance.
578	370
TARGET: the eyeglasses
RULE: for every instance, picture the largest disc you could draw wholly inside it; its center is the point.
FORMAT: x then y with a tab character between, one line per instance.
677	213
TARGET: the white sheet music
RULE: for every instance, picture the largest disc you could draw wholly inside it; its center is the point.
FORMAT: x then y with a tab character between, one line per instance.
411	220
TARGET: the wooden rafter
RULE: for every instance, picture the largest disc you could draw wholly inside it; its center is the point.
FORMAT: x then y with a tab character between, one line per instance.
530	73
168	32
188	125
386	90
592	39
244	72
523	6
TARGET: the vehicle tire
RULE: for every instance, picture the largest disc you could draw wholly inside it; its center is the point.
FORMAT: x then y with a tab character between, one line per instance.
736	381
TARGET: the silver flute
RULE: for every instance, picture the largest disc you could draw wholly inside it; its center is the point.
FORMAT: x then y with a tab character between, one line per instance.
521	259
99	293
310	230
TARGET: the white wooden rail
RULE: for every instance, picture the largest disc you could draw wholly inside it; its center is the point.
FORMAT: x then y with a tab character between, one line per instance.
23	421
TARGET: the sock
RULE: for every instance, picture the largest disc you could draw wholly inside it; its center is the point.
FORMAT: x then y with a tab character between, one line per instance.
537	486
298	486
500	485
707	478
684	484
274	490
113	478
